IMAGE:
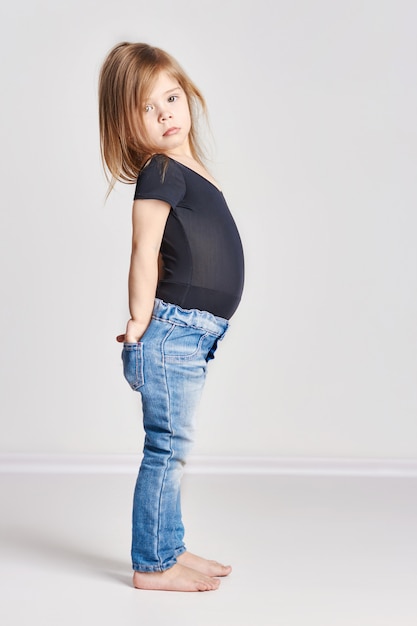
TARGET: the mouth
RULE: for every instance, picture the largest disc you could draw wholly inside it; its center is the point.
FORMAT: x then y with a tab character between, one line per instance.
171	131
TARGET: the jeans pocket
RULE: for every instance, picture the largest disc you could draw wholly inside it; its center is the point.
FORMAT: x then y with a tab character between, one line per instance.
183	343
132	357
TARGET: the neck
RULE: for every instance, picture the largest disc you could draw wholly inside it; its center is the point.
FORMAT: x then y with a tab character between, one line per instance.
183	151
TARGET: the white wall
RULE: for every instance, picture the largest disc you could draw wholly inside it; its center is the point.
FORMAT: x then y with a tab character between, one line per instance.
313	107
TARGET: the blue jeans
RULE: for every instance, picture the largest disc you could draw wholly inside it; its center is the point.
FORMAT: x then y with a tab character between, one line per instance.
168	368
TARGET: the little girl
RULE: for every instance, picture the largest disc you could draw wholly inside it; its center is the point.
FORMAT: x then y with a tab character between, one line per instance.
185	282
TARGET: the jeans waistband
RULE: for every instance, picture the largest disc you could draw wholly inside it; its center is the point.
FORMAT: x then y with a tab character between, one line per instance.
190	317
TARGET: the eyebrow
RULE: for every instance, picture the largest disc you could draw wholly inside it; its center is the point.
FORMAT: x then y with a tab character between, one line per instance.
173	89
164	94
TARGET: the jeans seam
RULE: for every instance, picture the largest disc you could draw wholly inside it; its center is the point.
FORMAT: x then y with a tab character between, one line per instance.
170	443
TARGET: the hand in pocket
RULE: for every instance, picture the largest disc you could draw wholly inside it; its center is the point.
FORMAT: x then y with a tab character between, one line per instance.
132	357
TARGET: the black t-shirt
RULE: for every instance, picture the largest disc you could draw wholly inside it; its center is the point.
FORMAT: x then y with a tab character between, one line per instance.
201	248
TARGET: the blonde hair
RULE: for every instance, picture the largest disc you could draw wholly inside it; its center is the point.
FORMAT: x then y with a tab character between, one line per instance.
126	79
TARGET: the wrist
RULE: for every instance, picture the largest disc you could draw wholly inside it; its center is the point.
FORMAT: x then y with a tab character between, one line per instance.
134	330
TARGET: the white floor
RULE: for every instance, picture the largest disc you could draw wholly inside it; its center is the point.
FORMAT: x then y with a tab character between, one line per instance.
306	551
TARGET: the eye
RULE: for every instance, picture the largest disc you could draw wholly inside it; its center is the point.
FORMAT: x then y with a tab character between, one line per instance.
172	98
147	108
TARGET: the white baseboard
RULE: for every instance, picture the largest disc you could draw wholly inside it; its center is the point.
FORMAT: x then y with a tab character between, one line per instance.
243	465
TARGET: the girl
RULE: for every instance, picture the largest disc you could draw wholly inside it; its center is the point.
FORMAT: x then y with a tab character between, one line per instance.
185	282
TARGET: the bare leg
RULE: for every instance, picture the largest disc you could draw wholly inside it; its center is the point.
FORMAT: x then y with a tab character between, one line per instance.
177	578
205	566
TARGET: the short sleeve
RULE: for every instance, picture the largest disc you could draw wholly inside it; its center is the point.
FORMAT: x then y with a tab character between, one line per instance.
161	179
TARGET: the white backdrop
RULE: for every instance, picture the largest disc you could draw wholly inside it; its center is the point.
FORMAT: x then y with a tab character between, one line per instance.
313	109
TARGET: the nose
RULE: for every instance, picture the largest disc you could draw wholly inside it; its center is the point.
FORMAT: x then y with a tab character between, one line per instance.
164	116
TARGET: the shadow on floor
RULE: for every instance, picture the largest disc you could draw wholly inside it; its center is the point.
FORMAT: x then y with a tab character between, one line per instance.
42	548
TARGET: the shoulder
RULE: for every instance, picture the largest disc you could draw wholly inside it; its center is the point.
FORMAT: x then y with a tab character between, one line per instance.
161	167
161	178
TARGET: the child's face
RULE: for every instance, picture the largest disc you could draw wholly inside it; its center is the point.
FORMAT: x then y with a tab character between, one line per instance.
166	116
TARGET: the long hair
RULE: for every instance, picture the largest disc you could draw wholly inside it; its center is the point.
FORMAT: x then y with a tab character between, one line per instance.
126	79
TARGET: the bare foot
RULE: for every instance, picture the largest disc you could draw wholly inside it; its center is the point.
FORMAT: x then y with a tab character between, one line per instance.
209	568
177	578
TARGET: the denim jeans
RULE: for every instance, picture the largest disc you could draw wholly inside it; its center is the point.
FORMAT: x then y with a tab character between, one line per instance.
168	368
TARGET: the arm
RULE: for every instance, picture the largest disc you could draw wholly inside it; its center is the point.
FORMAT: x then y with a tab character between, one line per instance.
148	219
